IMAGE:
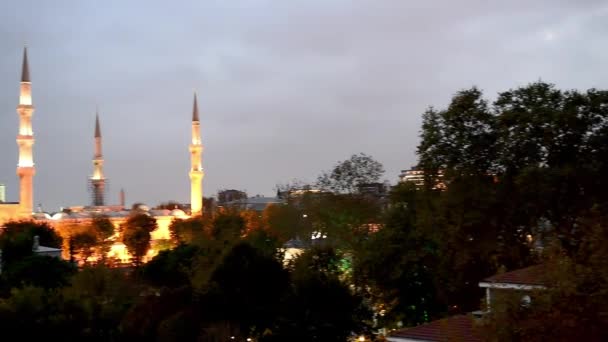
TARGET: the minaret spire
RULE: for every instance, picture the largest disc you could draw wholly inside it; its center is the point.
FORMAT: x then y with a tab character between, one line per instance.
97	129
98	181
195	109
25	68
25	141
196	170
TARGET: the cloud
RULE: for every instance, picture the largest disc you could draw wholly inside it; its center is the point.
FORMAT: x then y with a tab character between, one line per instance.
286	88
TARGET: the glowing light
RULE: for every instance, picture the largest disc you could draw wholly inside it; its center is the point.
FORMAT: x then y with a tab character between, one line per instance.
361	338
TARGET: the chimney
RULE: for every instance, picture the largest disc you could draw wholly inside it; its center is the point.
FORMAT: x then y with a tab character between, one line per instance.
36	243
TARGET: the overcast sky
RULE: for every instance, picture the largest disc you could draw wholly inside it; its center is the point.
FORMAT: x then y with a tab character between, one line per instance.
286	88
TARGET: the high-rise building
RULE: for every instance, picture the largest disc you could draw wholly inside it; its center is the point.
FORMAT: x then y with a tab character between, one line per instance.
196	164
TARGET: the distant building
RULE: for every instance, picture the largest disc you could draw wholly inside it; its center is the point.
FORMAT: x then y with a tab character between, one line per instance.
2	193
415	176
257	203
373	189
230	195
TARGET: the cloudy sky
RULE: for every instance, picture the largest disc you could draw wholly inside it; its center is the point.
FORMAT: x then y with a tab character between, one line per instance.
286	88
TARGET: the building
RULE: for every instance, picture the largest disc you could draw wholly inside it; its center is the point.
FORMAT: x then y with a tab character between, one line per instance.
97	181
256	203
522	281
455	328
2	193
230	195
415	176
463	327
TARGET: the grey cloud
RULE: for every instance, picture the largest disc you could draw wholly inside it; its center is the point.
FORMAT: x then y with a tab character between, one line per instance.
286	88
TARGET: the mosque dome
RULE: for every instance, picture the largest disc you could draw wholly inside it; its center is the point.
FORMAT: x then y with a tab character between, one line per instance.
60	216
178	213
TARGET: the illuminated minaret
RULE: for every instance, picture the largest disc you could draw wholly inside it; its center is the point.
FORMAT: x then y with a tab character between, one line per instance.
25	141
98	181
196	169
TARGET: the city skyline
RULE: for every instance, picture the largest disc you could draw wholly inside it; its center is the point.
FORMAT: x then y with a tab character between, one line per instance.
284	92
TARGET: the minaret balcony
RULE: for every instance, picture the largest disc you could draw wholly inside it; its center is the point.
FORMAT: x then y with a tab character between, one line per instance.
25	138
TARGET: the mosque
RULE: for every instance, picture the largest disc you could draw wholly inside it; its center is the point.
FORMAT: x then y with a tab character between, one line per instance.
24	210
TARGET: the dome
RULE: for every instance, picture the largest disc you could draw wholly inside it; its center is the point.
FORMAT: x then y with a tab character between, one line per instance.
178	213
162	212
60	216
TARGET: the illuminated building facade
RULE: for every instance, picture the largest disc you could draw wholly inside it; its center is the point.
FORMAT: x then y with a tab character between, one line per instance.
415	176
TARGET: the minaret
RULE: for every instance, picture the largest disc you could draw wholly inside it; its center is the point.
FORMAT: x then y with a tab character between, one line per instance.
122	198
98	181
25	141
196	169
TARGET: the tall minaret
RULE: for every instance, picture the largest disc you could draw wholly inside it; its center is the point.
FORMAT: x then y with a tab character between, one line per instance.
196	169
98	181
25	141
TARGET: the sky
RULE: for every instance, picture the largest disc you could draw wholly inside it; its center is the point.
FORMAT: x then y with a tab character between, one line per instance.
286	88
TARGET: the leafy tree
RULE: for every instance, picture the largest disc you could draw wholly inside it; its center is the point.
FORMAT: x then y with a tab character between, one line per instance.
104	230
245	289
83	243
39	271
319	306
407	291
136	235
17	239
575	303
347	175
189	230
173	267
284	221
227	225
101	297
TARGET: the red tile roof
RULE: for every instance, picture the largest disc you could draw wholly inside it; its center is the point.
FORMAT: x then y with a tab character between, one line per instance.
533	275
455	328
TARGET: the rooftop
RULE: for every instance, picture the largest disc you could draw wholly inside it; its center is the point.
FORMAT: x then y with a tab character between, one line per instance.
455	328
533	275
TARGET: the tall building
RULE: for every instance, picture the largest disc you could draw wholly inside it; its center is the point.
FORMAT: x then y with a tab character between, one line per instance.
25	141
415	176
196	164
2	193
98	180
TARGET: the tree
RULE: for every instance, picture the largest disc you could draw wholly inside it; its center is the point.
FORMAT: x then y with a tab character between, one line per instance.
17	239
245	289
189	230
407	291
319	306
347	175
83	243
40	271
431	154
104	230
573	306
136	235
172	268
